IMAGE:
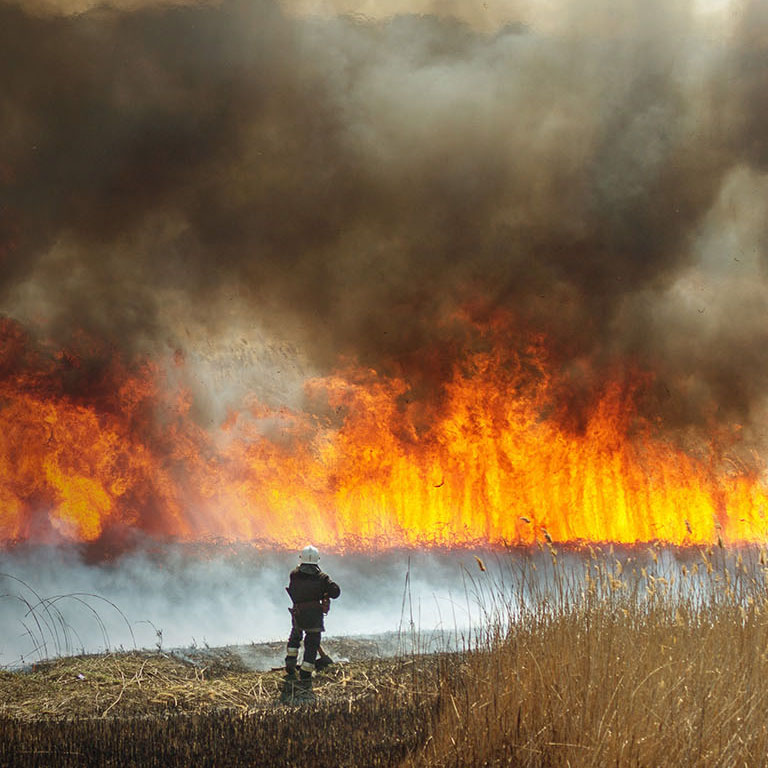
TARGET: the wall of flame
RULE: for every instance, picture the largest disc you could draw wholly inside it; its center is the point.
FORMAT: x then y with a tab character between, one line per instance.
364	465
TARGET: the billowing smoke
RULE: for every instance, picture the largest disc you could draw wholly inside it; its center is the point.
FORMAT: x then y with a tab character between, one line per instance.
260	193
341	185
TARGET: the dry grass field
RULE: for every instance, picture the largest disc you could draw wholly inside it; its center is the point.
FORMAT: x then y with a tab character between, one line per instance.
626	668
150	709
619	660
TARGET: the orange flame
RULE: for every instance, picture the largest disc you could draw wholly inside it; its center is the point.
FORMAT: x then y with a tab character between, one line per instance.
363	466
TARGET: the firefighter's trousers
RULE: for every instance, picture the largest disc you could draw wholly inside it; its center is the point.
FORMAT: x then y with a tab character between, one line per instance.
311	646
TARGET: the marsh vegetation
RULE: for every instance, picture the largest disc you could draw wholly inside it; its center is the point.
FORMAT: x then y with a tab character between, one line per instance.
630	658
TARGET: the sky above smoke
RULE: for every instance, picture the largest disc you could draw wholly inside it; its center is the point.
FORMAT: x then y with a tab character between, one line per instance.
227	177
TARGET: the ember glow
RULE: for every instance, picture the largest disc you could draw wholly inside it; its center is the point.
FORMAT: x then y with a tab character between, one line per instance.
365	465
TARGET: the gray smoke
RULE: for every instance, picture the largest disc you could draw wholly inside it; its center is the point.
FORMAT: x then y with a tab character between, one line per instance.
177	597
342	185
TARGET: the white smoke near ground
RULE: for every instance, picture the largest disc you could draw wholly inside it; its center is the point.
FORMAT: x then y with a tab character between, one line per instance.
173	597
176	598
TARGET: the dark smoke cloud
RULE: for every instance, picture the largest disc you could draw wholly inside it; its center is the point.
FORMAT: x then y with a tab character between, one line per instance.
347	184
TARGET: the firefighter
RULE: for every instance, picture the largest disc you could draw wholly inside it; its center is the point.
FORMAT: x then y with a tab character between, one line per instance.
311	591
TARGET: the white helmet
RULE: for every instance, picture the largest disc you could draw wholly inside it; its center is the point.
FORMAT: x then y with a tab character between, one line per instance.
309	555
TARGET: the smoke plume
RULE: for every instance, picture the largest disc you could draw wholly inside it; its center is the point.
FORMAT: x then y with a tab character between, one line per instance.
341	186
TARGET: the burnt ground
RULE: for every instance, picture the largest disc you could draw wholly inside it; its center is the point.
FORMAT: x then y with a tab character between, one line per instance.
217	706
344	649
199	680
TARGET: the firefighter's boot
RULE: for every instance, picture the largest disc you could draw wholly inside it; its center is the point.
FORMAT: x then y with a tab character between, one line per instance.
290	663
305	679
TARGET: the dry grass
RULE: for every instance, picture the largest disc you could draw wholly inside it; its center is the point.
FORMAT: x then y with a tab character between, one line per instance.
608	661
150	709
621	669
141	684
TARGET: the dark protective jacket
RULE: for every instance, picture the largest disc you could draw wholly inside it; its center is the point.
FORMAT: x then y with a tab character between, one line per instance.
308	586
